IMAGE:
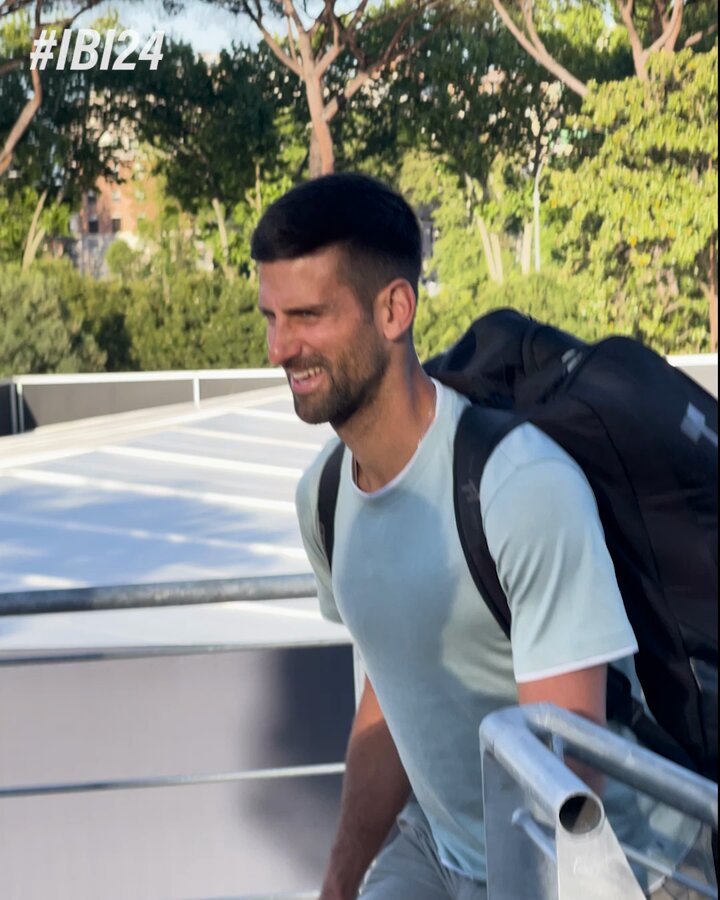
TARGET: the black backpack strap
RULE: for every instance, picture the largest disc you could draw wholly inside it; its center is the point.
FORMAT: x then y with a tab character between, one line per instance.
327	500
479	431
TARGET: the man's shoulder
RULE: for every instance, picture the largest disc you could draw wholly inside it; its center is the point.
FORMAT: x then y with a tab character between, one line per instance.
528	450
309	484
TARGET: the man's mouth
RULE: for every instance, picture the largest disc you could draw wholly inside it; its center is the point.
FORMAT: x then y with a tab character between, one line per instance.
302	381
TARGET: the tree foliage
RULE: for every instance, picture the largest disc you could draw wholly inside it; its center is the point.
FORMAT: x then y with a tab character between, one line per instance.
638	207
44	321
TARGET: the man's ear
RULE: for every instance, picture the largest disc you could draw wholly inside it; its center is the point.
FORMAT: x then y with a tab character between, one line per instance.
396	309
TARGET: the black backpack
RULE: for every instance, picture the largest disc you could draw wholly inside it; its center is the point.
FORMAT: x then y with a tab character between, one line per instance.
645	435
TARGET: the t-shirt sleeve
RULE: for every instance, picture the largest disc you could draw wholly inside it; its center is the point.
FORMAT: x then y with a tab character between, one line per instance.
544	533
306	505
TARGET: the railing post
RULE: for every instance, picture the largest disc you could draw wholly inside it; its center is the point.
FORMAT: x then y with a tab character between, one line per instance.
20	407
12	387
538	812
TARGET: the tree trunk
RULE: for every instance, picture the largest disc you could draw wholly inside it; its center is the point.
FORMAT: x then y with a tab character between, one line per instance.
495	244
35	235
488	249
322	153
536	212
222	231
258	190
526	249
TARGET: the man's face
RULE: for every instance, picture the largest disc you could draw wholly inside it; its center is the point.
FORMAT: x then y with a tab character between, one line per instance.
319	332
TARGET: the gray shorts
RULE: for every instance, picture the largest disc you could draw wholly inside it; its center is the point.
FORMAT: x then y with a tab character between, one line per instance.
409	867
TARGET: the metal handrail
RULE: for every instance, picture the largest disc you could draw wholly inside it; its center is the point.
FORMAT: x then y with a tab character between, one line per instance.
138	596
124	784
528	791
120	597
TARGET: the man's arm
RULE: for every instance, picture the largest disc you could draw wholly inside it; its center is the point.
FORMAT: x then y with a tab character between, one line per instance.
582	692
375	789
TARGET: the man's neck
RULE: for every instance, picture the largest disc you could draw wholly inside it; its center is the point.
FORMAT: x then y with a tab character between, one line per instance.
384	437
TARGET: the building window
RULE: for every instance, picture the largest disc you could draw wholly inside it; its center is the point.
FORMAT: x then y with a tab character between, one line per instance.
115	224
93	226
116	196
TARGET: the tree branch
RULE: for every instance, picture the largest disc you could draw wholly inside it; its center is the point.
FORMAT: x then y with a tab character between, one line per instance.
324	17
256	18
12	64
699	35
370	71
670	34
537	50
357	16
292	13
626	12
31	107
291	41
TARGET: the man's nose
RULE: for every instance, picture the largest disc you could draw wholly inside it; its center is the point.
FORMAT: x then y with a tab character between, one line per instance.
283	346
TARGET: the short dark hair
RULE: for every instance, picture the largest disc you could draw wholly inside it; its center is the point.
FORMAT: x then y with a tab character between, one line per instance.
375	227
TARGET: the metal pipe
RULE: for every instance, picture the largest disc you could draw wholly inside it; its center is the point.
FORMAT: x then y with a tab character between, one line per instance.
136	596
630	763
507	736
124	784
507	733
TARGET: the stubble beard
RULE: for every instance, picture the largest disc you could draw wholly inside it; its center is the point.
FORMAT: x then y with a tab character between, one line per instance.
354	384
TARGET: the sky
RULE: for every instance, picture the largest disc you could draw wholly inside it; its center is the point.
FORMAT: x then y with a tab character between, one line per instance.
208	28
205	26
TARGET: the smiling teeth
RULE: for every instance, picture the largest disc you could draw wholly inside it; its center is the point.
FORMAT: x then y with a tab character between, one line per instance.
306	373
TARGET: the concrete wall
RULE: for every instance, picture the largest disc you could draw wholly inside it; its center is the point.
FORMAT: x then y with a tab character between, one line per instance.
49	399
164	716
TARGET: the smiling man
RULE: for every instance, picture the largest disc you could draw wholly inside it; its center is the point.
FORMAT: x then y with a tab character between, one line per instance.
339	265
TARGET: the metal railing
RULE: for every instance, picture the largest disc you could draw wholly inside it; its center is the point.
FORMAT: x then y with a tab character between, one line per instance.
153	596
189	382
538	811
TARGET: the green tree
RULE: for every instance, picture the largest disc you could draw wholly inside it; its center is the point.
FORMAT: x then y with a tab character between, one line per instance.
44	324
335	53
211	126
638	210
22	21
201	321
71	139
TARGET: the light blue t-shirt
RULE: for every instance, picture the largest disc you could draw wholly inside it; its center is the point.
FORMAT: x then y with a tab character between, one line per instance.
436	657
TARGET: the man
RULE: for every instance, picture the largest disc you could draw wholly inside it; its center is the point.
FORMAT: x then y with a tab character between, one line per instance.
339	264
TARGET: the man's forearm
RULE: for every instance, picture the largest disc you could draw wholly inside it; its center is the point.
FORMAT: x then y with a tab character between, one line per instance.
375	789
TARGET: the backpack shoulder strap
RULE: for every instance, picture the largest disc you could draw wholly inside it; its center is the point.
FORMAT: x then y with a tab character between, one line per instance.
479	431
327	499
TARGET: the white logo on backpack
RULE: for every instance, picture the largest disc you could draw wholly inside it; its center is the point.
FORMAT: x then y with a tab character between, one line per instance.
695	427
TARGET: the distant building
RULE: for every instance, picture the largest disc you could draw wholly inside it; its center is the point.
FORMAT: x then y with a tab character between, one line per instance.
114	209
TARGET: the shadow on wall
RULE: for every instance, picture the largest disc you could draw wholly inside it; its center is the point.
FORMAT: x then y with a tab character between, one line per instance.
309	725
